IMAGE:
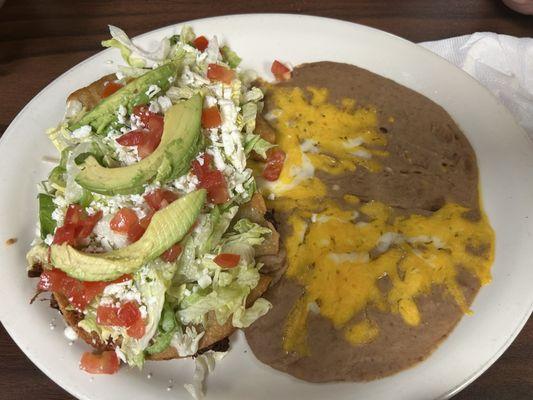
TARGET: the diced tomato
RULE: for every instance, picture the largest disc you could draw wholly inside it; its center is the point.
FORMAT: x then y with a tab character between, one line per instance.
124	220
79	293
211	179
66	234
133	138
280	71
143	113
107	315
137	330
172	254
274	164
211	117
127	315
200	43
74	215
136	232
110	88
77	225
227	260
89	223
160	198
105	363
144	222
148	138
219	73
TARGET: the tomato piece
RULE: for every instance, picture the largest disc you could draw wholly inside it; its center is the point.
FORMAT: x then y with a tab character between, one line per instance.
129	313
107	315
274	164
155	125
144	222
227	260
200	43
143	113
88	224
50	280
66	234
105	363
74	215
124	220
78	293
219	73
153	137
280	71
77	225
137	330
110	88
211	179
160	198
133	138
136	232
211	117
126	315
172	254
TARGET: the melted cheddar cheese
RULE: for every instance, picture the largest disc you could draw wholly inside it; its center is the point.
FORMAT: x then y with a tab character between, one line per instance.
339	257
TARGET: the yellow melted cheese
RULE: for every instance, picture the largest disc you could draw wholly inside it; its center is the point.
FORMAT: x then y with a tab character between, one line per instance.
337	258
318	135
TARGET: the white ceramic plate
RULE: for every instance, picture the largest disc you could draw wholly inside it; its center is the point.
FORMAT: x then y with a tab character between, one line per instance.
505	159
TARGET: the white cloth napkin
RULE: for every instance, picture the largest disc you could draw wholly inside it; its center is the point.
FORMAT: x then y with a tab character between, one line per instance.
503	64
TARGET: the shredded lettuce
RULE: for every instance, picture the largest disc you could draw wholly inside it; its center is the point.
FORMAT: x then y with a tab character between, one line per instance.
230	57
243	318
256	143
46	208
60	137
186	341
134	55
204	364
245	232
167	328
227	295
152	281
249	113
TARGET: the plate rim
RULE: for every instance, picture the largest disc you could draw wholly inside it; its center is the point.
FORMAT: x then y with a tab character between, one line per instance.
9	132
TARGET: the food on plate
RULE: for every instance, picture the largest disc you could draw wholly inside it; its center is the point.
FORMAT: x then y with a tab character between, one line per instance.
374	193
151	228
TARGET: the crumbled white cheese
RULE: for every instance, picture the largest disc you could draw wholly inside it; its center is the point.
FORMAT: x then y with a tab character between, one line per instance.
122	292
186	183
82	132
48	239
164	103
70	333
152	90
121	114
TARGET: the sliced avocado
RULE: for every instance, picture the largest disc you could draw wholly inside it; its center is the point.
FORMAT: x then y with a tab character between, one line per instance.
168	226
129	96
179	145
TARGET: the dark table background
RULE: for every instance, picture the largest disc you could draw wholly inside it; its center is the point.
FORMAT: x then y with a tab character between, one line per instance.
39	40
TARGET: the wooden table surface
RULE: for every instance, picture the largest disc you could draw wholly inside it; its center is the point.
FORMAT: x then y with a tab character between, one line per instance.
39	40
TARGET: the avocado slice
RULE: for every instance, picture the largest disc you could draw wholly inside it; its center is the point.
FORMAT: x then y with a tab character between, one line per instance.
168	226
179	145
129	96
